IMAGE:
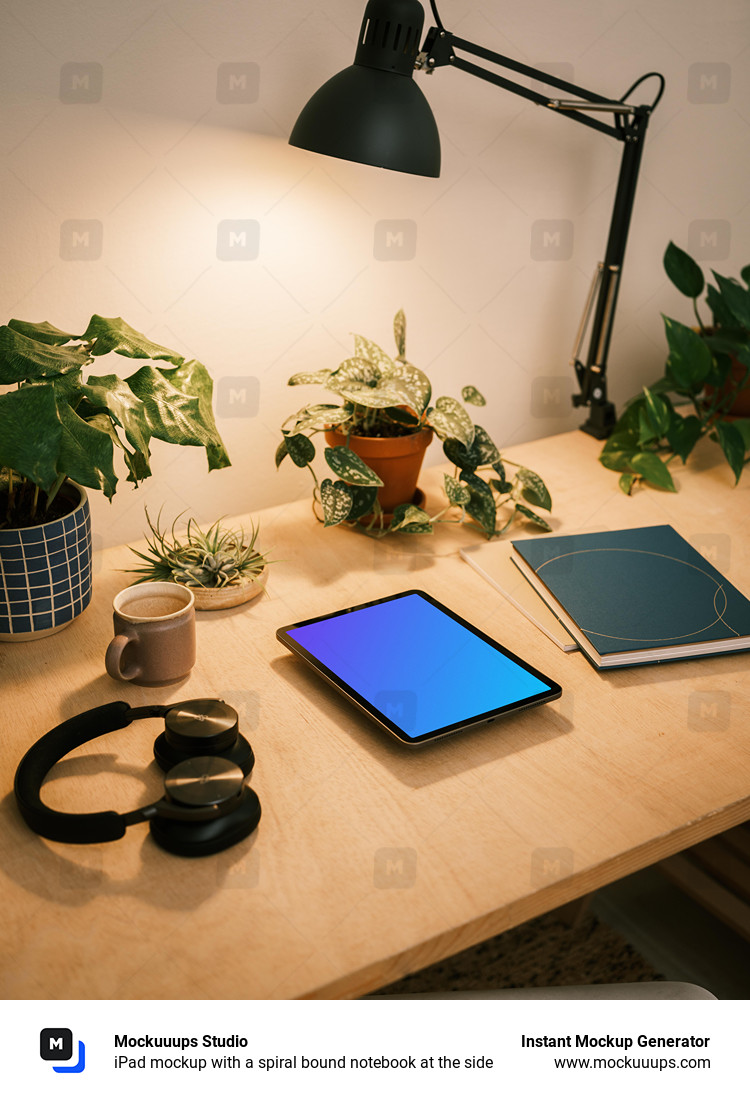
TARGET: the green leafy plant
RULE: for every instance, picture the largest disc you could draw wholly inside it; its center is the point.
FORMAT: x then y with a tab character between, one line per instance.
215	558
386	397
705	369
54	424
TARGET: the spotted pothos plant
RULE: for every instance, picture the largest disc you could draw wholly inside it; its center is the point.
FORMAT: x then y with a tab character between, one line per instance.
384	396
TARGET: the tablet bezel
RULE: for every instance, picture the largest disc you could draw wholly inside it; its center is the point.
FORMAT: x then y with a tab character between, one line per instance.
553	689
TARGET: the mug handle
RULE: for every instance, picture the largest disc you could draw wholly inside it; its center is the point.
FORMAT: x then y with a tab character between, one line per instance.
113	658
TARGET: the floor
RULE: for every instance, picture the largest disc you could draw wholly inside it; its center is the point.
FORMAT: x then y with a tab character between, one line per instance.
678	937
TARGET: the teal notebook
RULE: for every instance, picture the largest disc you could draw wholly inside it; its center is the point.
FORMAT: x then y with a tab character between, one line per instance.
636	596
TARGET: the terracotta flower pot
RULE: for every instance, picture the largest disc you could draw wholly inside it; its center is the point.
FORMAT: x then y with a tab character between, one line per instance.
740	406
396	460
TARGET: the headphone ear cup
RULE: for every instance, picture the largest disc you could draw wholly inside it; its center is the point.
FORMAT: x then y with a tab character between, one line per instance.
167	756
204	838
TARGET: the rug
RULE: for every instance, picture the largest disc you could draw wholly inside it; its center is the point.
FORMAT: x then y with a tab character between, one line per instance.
547	951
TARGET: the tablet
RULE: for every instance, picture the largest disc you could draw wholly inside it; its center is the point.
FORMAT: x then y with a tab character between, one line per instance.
416	667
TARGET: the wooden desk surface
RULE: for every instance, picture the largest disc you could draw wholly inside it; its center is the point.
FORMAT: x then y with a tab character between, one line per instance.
372	860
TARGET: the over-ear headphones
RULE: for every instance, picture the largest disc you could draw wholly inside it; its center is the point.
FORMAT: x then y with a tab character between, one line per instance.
206	806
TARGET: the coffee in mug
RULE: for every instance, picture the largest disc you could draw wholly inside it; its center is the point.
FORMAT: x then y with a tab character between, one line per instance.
154	639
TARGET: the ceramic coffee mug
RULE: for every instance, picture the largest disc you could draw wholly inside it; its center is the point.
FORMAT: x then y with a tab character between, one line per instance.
154	640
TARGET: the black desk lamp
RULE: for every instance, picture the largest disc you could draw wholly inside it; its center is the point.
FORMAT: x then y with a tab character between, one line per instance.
374	113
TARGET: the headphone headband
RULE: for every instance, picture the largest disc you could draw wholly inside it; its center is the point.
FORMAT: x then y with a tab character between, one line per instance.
197	818
41	757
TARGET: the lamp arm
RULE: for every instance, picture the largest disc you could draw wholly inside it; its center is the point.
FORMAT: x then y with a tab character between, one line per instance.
592	374
630	128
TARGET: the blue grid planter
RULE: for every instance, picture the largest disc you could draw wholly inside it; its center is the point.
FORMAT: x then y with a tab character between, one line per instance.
45	574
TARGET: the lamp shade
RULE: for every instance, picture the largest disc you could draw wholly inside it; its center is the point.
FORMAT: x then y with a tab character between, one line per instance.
373	112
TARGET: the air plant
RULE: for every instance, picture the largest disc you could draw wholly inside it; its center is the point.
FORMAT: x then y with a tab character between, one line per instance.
215	558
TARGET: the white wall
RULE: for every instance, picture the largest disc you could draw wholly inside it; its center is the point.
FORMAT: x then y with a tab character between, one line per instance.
155	161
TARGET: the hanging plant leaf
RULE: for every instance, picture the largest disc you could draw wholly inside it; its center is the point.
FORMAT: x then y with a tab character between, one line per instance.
309	377
114	334
616	460
350	467
481	507
722	315
455	491
410	520
315	418
689	362
683	433
533	517
736	296
486	449
683	271
363	499
411	383
652	469
42	331
301	449
466	458
337	502
626	483
451	421
22	358
472	396
534	489
281	452
743	427
372	353
503	485
381	396
358	369
657	411
733	445
399	333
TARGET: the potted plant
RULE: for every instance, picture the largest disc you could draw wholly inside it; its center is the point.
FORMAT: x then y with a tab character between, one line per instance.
221	566
58	433
386	409
707	372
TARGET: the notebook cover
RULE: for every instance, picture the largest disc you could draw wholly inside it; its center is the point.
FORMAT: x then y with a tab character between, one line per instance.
639	589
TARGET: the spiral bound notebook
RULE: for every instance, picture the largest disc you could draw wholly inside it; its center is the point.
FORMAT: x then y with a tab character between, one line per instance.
637	596
493	561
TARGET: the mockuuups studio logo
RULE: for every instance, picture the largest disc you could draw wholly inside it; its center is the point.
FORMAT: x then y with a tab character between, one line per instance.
81	239
716	548
238	239
81	82
399	706
551	239
395	239
709	82
709	239
238	396
551	396
549	865
56	1045
395	868
709	711
237	82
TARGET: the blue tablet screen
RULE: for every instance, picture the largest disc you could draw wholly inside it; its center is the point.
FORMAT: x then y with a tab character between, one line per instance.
418	666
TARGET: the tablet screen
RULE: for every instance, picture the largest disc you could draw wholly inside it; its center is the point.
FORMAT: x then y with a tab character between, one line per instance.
417	667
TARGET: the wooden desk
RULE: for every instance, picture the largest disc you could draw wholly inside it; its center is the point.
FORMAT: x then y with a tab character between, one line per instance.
372	860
